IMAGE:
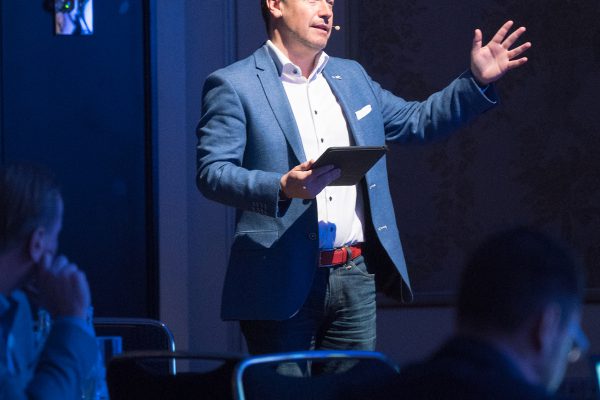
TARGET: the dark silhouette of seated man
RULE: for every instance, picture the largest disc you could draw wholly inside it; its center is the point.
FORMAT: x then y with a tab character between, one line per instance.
518	325
33	365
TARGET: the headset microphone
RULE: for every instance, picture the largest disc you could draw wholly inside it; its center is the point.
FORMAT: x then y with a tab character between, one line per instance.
337	27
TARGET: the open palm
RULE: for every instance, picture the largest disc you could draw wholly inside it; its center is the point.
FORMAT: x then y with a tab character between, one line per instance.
490	62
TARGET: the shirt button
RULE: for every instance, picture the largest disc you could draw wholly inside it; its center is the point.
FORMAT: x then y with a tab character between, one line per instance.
312	236
330	198
316	112
322	140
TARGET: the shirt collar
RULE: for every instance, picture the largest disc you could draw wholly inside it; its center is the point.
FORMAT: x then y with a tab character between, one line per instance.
290	71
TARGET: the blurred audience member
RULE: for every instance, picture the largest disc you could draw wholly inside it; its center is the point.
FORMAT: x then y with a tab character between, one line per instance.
518	325
36	364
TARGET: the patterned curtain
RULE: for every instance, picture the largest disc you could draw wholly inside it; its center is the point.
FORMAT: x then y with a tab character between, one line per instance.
534	160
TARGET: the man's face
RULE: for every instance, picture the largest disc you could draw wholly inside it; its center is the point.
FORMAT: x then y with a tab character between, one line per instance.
48	242
46	245
305	25
557	359
53	231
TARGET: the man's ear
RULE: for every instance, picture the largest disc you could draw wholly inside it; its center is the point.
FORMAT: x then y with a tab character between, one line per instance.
36	248
546	327
274	7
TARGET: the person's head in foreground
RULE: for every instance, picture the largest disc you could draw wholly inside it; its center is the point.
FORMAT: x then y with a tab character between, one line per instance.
31	209
522	292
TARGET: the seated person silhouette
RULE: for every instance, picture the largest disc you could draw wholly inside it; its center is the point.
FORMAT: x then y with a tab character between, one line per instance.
34	365
517	325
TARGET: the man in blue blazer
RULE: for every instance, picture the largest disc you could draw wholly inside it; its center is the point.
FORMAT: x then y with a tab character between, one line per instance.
298	276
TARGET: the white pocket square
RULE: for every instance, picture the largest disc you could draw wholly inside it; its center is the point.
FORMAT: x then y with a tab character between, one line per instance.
360	114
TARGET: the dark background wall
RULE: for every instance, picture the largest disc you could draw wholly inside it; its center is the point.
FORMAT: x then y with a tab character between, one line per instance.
532	160
78	105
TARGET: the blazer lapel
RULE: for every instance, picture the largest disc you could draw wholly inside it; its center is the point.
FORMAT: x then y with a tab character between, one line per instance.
340	86
275	93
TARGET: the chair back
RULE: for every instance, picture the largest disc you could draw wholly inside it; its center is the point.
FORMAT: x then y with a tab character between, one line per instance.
131	376
259	377
139	334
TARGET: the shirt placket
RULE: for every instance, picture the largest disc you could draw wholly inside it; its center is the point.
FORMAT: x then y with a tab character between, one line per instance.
326	231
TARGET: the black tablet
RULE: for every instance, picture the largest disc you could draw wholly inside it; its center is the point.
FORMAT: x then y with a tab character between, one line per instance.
353	161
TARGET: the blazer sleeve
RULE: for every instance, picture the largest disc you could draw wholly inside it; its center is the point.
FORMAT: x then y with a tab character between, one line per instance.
437	116
67	359
222	135
56	370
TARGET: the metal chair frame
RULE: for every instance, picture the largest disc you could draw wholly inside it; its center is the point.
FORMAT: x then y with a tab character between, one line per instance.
238	386
142	322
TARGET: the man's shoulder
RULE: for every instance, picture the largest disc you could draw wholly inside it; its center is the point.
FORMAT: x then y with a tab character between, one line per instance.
464	369
245	65
346	62
462	382
261	59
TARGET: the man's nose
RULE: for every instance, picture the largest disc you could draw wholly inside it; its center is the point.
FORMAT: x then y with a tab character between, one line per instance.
325	10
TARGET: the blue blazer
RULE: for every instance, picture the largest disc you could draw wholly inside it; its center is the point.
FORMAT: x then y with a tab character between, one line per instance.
248	138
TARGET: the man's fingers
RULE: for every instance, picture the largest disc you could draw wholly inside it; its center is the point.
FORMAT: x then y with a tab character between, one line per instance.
78	279
306	183
59	263
325	179
501	34
68	270
519	50
332	175
305	166
321	170
317	180
477	39
516	63
513	37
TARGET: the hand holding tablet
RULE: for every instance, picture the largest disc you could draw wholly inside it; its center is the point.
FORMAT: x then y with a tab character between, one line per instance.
353	161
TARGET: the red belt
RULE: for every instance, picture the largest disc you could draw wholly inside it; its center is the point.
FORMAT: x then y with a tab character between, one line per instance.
331	258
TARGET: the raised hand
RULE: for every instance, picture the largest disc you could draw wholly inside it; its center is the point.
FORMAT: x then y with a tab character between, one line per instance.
63	288
306	183
490	62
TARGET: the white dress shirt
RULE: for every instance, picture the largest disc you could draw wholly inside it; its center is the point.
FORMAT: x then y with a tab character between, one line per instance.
322	124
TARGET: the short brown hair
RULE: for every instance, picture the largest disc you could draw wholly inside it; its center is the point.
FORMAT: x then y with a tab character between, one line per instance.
512	275
29	197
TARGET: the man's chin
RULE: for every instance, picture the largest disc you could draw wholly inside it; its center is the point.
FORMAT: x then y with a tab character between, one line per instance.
318	45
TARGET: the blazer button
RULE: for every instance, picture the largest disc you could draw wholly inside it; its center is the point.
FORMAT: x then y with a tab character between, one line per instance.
312	236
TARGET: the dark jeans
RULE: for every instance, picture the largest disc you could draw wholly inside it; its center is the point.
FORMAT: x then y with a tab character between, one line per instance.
339	314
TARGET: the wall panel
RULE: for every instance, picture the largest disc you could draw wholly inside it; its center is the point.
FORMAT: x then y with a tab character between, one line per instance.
77	104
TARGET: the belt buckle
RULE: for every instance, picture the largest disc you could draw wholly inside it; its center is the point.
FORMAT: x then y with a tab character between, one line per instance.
323	265
334	264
